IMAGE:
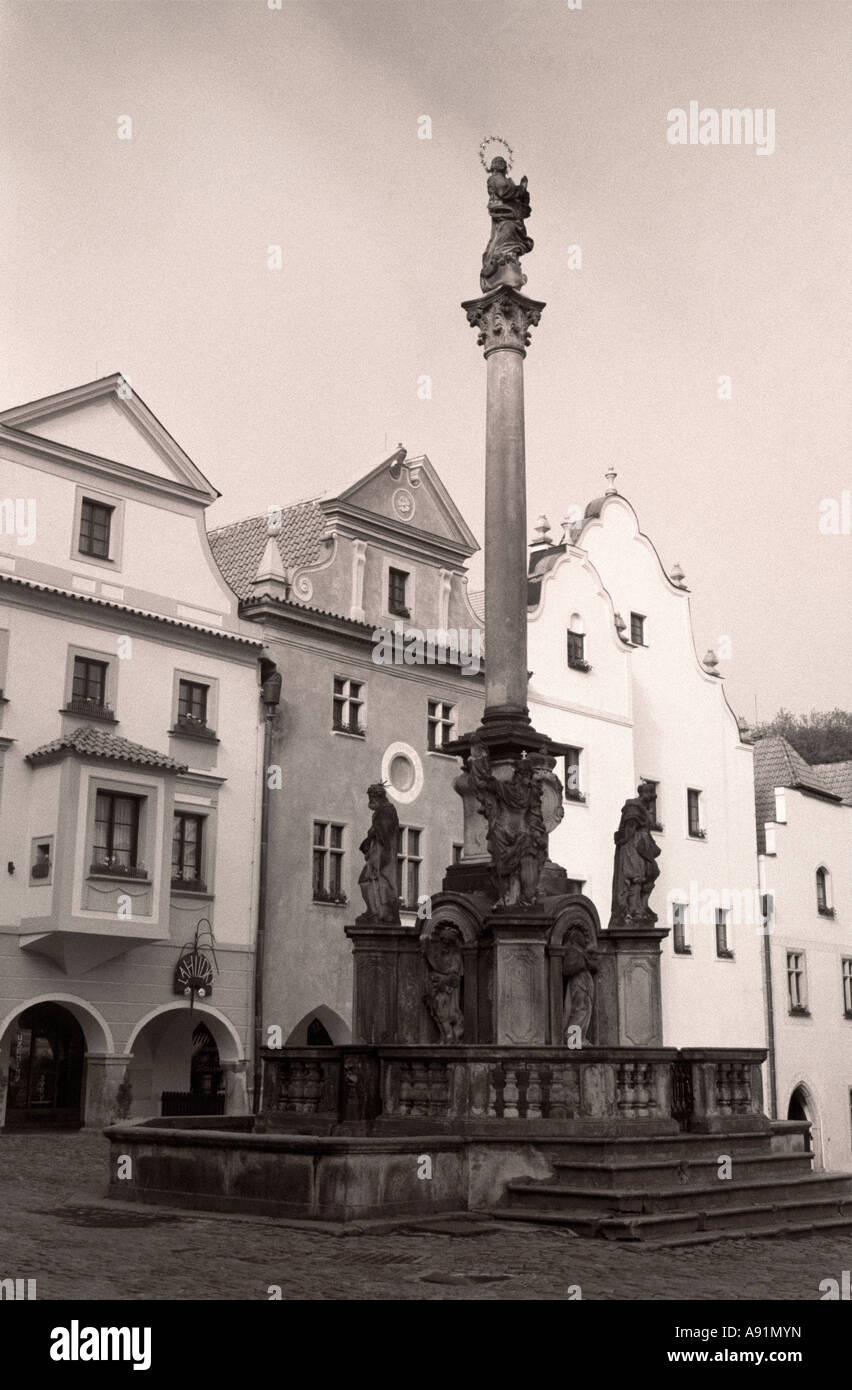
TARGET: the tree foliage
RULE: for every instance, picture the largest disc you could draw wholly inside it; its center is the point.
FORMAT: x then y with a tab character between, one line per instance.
823	736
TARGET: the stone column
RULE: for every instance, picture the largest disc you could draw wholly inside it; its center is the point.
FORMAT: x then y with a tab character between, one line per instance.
104	1074
236	1089
504	318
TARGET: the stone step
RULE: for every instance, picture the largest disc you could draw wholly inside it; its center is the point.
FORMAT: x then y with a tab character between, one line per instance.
662	1146
774	1218
712	1197
653	1172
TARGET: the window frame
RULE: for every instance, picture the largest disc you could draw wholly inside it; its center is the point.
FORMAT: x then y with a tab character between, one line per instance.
105	713
641	619
136	866
208	731
797	1007
679	942
576	794
112	561
435	722
825	904
198	884
846	978
724	950
46	879
405	861
397	608
699	832
332	862
347	700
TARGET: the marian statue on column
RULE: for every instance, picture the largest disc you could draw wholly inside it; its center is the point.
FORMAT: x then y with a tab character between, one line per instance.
508	207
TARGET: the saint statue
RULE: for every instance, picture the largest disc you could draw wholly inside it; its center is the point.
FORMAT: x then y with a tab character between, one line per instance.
508	206
380	848
444	970
634	870
517	836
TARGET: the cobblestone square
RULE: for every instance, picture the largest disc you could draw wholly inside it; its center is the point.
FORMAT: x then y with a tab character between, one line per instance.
57	1227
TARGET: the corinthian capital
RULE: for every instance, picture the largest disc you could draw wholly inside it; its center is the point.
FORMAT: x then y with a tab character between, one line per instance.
504	319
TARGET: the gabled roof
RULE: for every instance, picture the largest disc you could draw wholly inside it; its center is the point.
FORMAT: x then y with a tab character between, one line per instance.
97	743
777	764
238	548
39	421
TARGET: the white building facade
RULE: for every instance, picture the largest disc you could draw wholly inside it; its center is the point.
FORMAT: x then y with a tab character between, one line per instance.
129	773
804	830
616	676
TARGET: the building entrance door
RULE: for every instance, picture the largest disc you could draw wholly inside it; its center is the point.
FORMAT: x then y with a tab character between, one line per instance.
45	1070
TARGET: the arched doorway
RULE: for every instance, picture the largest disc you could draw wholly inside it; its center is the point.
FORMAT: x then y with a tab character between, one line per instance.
801	1108
46	1054
185	1061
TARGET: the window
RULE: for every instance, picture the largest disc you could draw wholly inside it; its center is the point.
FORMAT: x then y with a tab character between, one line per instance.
576	651
397	581
408	863
328	863
41	861
679	930
637	629
95	526
441	724
847	986
572	775
723	950
693	812
187	838
116	835
797	998
653	806
347	707
88	687
192	703
823	892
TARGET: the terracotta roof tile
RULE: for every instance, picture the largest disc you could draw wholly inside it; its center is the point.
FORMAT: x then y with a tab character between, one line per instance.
97	743
777	764
238	548
838	777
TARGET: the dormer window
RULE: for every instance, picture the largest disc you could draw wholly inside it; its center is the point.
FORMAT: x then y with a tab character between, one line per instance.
397	586
95	528
823	892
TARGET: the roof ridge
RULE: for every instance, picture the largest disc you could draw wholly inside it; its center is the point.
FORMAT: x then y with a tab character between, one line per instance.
263	516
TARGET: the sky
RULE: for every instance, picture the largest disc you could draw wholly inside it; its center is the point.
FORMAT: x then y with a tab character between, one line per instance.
298	127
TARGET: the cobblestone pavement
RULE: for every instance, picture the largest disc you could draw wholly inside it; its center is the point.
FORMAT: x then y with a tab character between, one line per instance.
51	1204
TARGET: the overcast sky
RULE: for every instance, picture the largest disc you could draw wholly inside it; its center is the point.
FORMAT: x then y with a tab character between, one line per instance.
298	127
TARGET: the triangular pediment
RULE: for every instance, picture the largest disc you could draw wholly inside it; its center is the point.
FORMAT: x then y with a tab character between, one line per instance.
409	494
107	420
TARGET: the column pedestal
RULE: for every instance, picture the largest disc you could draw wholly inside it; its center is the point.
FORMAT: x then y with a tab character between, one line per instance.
628	1006
513	981
388	983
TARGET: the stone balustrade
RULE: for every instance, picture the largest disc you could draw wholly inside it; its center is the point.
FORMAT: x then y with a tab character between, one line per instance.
461	1088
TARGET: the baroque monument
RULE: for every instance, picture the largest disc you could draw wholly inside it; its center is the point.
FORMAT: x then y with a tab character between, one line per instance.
506	1032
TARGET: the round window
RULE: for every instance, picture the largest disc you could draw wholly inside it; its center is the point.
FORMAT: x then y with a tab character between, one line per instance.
402	773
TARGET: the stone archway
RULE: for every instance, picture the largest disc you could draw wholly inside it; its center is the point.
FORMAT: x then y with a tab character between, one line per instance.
308	1028
55	1054
802	1107
160	1054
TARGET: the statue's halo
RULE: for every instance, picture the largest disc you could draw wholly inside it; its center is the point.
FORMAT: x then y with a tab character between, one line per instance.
496	140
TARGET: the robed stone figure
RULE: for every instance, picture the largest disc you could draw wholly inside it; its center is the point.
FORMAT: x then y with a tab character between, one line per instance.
635	870
508	207
380	848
